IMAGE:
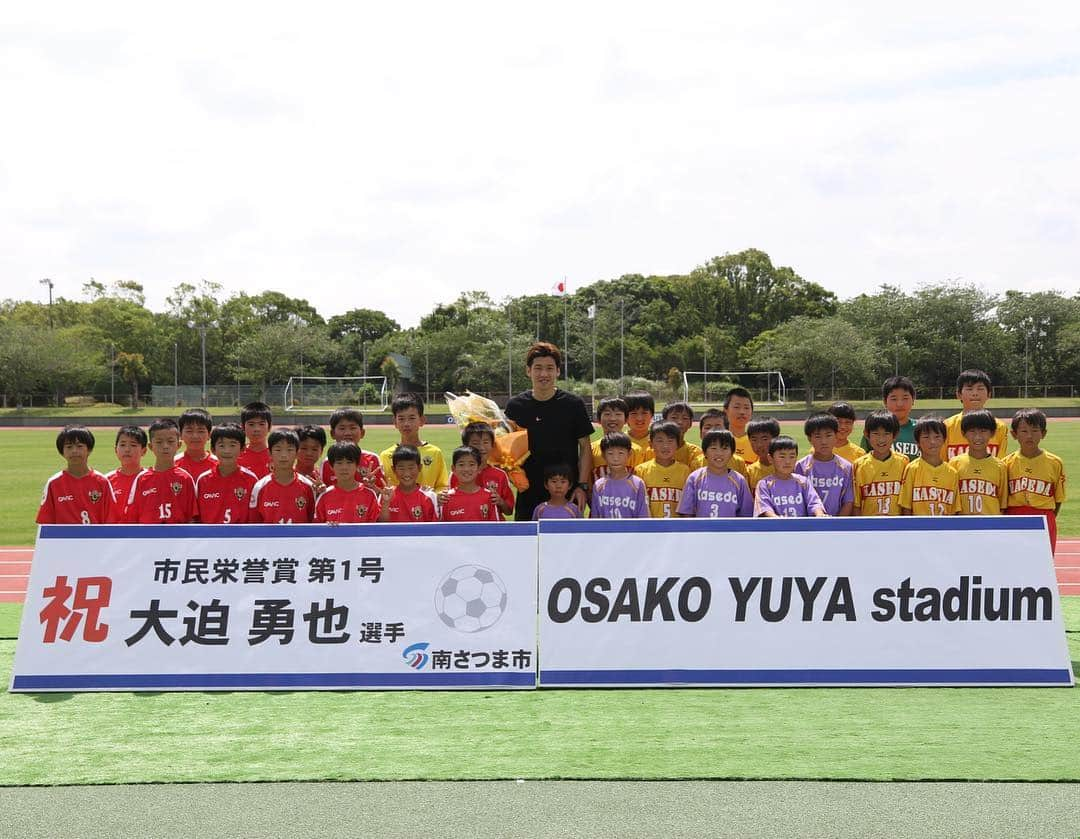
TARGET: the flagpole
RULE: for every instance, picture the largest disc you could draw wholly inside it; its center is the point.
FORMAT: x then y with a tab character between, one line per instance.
622	321
509	353
565	334
592	311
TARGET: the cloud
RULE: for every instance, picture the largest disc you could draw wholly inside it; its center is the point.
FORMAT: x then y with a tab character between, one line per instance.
395	157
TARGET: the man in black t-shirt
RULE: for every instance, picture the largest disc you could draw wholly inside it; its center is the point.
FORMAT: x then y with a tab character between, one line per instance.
559	429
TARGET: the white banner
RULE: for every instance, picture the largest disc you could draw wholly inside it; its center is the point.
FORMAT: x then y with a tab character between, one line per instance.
270	607
844	601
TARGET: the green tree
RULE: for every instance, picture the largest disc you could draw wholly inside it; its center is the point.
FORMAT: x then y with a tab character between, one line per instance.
814	350
132	368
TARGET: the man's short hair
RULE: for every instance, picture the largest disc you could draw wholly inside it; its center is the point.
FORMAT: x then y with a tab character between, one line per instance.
616	440
765	425
1030	416
924	425
134	432
981	419
543	349
404	401
311	432
672	407
404	454
820	422
712	413
350	414
720	437
973	377
842	410
897	383
783	443
227	431
75	434
612	403
283	435
638	400
255	410
162	424
343	451
666	427
738	391
196	416
466	451
558	470
477	427
881	419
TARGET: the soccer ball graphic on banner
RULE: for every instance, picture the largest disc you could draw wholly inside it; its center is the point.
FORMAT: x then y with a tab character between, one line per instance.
471	598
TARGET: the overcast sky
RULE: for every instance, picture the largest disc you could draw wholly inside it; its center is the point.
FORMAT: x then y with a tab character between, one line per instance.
394	156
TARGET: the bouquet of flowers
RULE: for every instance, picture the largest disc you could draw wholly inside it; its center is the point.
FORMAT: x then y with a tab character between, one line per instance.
511	447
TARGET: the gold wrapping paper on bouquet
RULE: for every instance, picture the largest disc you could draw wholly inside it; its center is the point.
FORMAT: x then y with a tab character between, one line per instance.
511	447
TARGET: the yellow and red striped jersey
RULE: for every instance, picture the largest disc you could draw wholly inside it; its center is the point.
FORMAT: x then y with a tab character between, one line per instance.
984	485
957	444
1037	482
878	484
664	486
929	490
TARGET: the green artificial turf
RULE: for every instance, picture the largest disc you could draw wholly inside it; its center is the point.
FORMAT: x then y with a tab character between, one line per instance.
30	457
836	733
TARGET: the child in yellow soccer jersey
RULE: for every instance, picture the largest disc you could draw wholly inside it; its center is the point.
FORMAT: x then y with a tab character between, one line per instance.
714	420
640	409
930	484
984	480
664	476
682	415
1036	477
973	391
739	409
760	433
611	413
879	474
408	411
845	421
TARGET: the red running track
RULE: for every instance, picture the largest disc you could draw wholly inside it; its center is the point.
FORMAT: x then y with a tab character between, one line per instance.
15	570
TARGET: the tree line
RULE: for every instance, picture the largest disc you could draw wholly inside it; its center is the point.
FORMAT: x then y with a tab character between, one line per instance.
732	312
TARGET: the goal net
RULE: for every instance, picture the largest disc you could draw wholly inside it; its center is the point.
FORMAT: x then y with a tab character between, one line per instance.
708	387
322	394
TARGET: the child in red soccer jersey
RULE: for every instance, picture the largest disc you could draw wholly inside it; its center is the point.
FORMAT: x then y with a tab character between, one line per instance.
164	494
78	494
481	437
195	427
348	501
407	501
347	426
468	501
283	497
256	421
1036	477
223	492
130	450
312	442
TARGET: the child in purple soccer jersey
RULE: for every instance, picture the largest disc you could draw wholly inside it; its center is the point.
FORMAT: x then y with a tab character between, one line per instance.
783	493
830	475
716	490
619	494
558	481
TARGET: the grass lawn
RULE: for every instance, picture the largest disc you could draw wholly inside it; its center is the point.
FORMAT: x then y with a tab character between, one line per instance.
838	733
30	458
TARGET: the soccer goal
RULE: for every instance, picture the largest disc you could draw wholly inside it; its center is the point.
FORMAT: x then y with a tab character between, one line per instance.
322	394
708	387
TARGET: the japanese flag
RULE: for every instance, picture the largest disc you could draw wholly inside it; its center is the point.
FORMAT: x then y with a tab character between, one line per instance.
560	287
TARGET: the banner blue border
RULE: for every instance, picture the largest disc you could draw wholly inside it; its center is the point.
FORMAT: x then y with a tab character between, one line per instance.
961	676
287	531
857	524
271	681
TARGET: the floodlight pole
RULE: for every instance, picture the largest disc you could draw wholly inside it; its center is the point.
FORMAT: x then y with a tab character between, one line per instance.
594	360
427	374
509	353
622	345
175	369
112	374
202	338
49	283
